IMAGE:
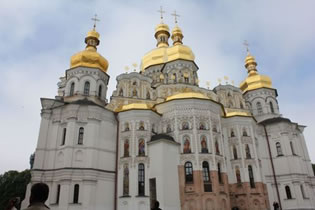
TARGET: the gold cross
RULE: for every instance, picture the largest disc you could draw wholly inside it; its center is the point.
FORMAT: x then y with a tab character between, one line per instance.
95	19
245	43
161	11
175	16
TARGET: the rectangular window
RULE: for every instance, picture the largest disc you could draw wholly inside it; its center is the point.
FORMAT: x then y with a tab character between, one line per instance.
58	194
64	133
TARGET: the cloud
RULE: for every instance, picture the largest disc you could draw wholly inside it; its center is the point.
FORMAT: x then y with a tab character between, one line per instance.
40	37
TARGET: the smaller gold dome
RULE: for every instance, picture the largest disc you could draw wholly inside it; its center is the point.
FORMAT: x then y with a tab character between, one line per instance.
254	80
162	27
177	36
162	35
90	57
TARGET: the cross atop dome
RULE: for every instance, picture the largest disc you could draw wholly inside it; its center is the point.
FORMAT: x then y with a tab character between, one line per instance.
95	19
161	11
175	16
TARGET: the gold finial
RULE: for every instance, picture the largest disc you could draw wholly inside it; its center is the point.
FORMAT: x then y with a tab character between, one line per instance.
95	19
245	43
175	16
208	84
135	65
226	78
161	11
126	69
219	80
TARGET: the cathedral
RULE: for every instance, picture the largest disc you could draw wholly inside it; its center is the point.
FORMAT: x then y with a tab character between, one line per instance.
163	137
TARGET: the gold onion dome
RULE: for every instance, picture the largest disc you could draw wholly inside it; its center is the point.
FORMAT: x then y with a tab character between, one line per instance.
90	57
254	80
163	53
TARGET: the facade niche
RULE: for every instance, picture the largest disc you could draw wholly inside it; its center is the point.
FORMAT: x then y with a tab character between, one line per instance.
204	147
141	149
187	148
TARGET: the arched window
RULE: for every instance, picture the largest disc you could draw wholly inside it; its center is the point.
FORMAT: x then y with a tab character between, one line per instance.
127	128
141	148
204	147
126	148
121	92
292	148
100	90
238	175
247	151
187	148
245	132
234	152
141	126
141	179
251	176
126	181
81	134
64	133
214	128
134	83
148	95
76	193
302	191
206	177
134	93
185	126
189	178
271	107
168	128
72	89
58	194
202	126
279	150
86	90
219	174
288	192
217	150
259	108
174	77
232	133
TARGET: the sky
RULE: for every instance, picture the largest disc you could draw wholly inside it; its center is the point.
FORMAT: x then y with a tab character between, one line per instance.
38	38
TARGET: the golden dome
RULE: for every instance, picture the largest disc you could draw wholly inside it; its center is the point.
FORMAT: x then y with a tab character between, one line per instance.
254	80
187	95
90	57
162	34
177	36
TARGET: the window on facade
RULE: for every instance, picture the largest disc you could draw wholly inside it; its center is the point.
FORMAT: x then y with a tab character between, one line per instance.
186	79
206	177
134	83
235	152
174	77
219	174
81	134
126	148
58	194
204	148
302	191
189	178
217	149
288	192
202	126
76	193
214	128
241	105
292	148
245	132
72	89
185	126
279	150
64	133
259	108
238	175
232	133
86	90
100	90
126	181
247	151
141	148
187	148
127	128
271	107
121	92
168	128
141	126
148	95
141	179
251	176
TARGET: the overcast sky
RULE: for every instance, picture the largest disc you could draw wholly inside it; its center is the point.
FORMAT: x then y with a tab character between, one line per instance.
38	38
